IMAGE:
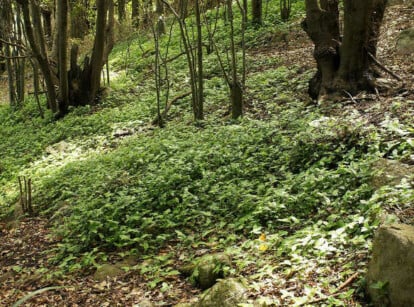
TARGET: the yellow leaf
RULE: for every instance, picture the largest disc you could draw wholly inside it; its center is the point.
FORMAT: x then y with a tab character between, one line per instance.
263	247
262	237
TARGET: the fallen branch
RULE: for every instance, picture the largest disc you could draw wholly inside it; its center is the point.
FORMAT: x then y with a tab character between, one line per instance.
333	294
155	121
384	68
32	294
350	96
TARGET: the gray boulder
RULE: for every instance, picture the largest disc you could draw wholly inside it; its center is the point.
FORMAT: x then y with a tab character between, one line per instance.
405	42
390	172
225	293
390	277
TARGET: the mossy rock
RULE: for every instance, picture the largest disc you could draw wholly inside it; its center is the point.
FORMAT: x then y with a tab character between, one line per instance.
208	269
225	293
145	303
389	172
107	271
405	42
390	277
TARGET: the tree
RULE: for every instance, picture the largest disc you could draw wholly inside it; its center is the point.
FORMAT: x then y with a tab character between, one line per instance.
79	85
135	12
345	62
257	12
194	60
12	51
285	8
121	10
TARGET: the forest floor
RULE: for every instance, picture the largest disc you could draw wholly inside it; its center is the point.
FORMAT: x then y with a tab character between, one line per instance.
26	245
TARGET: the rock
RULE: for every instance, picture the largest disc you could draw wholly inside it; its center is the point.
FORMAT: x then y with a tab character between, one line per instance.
405	42
107	270
390	172
114	270
225	293
390	277
265	302
145	303
187	269
209	268
399	2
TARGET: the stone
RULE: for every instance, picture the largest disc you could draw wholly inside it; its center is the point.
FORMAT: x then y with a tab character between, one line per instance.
107	271
400	2
208	269
405	42
389	172
265	302
390	277
145	303
225	293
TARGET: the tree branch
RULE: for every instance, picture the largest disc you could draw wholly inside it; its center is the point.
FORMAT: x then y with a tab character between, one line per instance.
376	62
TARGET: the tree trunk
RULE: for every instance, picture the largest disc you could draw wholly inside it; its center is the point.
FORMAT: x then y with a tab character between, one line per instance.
159	9
236	96
236	88
62	18
37	44
93	74
47	23
135	12
343	64
257	12
121	10
10	75
198	110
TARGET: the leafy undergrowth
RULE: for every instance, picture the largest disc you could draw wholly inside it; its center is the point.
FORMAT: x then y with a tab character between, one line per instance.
286	191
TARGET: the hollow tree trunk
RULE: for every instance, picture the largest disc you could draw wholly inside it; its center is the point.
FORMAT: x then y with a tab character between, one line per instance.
344	64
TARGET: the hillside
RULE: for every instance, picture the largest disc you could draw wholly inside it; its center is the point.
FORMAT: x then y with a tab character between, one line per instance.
291	192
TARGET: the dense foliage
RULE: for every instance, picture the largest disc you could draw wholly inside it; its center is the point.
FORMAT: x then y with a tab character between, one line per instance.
286	170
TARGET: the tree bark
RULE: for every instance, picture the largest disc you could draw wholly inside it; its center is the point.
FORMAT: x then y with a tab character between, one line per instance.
62	13
121	10
257	12
199	107
159	9
38	47
343	62
135	12
97	59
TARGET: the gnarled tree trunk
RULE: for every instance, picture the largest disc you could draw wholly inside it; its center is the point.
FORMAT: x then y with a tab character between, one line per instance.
344	62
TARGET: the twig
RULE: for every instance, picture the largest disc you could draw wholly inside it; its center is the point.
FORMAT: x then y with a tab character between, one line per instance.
14	57
384	68
333	294
155	121
34	293
12	44
350	96
347	282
